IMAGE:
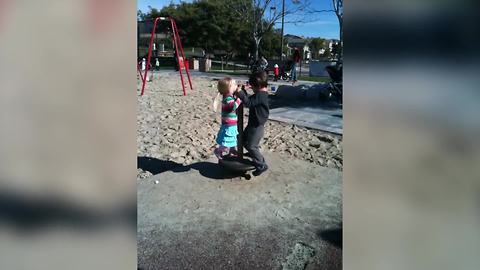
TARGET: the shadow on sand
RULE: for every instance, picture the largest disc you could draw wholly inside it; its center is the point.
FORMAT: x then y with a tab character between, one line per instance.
207	169
333	236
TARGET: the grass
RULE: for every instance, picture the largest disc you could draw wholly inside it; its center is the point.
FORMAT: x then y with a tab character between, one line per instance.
243	72
230	72
313	79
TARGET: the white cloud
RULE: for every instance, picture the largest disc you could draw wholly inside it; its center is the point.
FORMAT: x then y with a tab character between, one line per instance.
320	23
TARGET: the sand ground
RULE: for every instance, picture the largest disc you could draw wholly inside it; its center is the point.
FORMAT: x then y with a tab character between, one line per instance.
183	129
194	215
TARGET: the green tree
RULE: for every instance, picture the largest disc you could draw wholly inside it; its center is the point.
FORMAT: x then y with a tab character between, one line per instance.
316	44
214	26
271	44
151	14
337	8
261	15
336	51
207	24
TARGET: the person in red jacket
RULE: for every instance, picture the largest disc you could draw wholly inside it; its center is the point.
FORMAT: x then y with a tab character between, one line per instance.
296	59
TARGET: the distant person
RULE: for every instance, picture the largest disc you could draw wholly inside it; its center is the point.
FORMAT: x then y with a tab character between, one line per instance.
276	72
157	64
227	135
263	63
175	60
296	60
250	60
258	111
144	64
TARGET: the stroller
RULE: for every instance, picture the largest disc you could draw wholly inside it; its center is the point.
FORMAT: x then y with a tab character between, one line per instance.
286	71
335	86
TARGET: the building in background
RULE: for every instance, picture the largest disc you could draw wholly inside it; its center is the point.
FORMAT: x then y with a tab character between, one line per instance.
299	42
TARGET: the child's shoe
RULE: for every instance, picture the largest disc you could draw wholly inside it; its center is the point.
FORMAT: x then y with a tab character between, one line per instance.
258	172
218	153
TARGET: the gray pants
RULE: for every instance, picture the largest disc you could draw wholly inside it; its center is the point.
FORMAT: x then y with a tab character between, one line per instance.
253	135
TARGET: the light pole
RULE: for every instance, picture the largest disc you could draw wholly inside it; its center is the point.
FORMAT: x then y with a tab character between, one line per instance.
283	23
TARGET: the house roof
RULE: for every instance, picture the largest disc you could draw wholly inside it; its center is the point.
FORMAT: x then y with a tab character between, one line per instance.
288	36
296	41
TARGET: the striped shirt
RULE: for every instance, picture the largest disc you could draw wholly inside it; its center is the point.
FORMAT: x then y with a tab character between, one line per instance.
229	107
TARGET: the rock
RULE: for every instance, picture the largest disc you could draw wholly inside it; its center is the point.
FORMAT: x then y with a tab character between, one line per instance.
193	153
299	258
315	143
324	138
331	164
141	174
182	153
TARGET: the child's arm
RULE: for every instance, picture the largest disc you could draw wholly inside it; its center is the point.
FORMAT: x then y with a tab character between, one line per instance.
248	101
237	103
233	104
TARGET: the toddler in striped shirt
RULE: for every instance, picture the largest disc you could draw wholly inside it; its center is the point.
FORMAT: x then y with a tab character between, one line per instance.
227	135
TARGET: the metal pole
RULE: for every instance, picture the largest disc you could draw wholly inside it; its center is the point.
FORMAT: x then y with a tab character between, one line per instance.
183	55
149	55
283	23
174	30
240	130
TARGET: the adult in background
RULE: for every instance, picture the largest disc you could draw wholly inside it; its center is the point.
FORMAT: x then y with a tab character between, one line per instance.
250	61
157	64
175	60
296	60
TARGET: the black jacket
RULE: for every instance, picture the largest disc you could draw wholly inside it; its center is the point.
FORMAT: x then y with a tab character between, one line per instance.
258	107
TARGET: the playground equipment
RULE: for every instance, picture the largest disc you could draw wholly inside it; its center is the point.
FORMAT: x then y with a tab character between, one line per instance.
239	163
179	55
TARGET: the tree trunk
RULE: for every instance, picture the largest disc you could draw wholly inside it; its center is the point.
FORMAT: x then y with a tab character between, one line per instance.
337	6
257	46
340	49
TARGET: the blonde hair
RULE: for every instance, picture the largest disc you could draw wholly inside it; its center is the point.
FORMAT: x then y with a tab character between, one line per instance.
224	85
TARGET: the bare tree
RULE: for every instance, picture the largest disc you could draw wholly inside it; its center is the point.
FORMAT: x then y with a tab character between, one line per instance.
337	8
262	15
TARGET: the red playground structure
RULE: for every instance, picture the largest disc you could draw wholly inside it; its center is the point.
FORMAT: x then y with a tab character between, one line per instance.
178	52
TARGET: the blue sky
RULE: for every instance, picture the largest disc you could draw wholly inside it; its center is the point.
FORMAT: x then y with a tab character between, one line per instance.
323	25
